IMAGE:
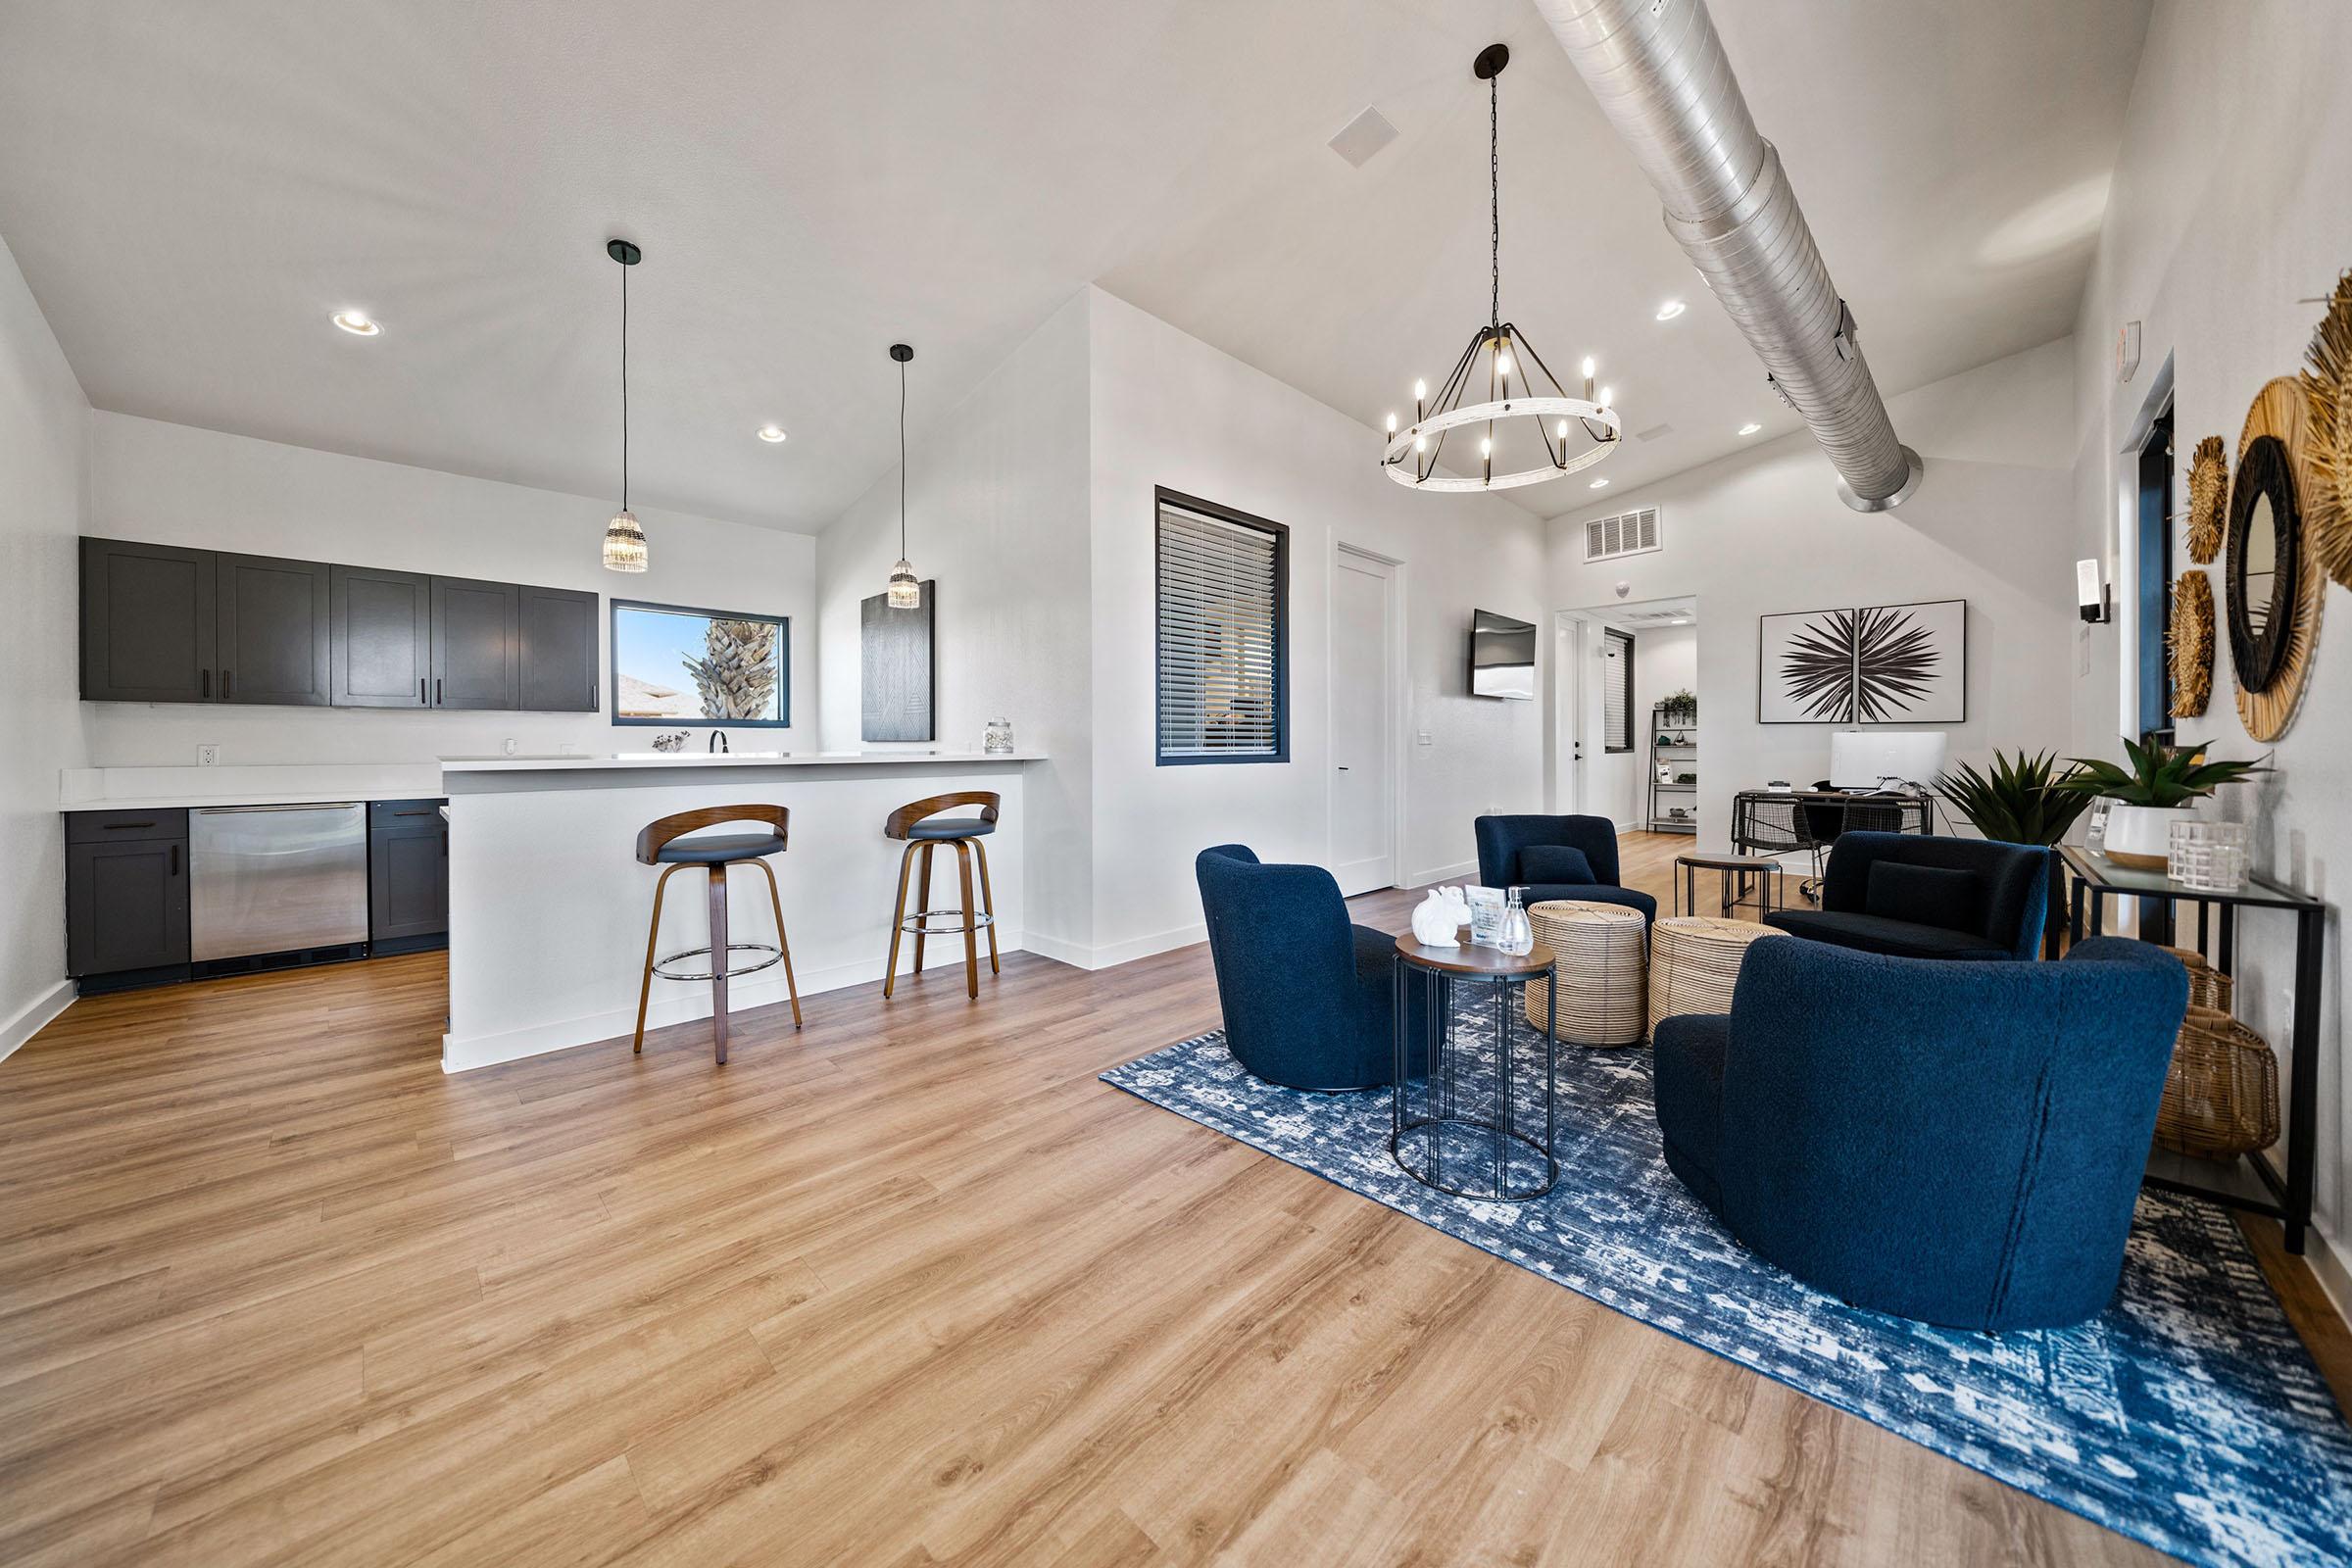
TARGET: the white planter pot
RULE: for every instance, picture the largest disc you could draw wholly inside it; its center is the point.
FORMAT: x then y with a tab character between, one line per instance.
2141	835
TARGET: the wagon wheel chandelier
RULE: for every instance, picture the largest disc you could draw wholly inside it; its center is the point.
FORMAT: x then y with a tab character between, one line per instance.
1498	351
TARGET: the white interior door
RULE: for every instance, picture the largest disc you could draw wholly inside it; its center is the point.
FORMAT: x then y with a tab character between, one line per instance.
1363	750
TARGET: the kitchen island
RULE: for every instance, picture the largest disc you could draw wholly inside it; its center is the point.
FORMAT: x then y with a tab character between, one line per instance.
548	904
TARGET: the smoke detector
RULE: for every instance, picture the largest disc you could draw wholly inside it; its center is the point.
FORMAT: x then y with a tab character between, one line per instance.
1367	134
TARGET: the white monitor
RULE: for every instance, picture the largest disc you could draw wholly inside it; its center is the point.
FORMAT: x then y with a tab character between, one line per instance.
1864	759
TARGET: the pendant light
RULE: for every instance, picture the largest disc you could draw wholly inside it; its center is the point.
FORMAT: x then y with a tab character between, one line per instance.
1498	351
906	593
625	541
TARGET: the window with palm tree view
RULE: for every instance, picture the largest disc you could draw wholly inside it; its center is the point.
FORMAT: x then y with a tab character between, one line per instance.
671	665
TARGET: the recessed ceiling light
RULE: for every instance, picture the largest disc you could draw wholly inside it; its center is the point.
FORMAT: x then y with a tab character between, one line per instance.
771	433
359	323
1599	484
1750	428
1670	310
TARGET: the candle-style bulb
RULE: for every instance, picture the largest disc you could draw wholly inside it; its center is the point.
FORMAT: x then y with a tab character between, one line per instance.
1589	367
1607	396
1563	429
1420	390
1420	443
1391	424
1486	446
1502	364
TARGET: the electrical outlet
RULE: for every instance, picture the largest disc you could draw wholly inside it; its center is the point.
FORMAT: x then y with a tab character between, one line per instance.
208	756
1424	738
570	749
511	746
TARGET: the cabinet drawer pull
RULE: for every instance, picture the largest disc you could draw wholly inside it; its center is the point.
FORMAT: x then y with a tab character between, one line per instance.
120	827
412	813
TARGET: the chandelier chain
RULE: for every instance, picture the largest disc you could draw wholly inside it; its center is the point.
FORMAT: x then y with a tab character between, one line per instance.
1495	196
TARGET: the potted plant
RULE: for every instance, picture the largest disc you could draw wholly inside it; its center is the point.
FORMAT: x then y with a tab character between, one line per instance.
2021	799
2161	784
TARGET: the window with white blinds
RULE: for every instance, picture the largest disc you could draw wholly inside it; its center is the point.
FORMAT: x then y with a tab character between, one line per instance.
1617	691
1223	624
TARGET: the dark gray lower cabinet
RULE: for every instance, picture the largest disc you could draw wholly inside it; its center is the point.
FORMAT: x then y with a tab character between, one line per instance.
271	620
384	637
126	898
407	875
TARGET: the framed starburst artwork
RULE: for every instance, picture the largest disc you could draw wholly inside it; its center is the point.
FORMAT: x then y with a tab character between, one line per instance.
1875	664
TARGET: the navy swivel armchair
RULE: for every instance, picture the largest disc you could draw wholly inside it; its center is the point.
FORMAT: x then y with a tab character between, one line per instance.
1309	997
1914	897
1956	1143
1556	857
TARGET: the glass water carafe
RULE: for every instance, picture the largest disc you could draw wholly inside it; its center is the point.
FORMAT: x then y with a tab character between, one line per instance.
1517	936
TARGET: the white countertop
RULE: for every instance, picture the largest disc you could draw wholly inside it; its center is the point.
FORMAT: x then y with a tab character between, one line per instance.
158	789
722	760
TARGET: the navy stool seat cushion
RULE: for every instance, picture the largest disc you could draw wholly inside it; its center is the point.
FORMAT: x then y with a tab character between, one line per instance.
1876	933
1522	851
1309	997
1912	896
719	849
952	827
1957	1143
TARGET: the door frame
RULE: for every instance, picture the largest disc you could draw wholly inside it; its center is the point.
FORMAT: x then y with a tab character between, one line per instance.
1344	556
1569	630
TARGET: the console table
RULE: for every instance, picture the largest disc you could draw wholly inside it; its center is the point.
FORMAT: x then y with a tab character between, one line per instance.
2096	879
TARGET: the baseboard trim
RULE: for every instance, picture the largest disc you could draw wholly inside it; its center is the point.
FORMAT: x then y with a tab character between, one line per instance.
2327	1266
1444	873
683	1005
34	1016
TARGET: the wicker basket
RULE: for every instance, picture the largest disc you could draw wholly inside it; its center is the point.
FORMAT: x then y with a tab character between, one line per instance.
1694	962
2208	986
2220	1099
1598	947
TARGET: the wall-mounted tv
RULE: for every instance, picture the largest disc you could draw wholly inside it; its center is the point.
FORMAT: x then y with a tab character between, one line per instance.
1502	657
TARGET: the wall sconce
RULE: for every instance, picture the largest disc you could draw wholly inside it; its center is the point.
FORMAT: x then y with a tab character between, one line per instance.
2092	597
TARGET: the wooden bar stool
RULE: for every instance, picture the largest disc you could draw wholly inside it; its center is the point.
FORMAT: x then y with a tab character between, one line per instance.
664	843
924	831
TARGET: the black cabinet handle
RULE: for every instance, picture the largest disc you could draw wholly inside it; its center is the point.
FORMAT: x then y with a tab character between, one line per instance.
421	691
175	860
412	813
225	676
436	691
207	685
117	827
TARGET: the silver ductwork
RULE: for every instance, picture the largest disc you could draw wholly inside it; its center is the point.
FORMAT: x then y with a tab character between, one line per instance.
1660	75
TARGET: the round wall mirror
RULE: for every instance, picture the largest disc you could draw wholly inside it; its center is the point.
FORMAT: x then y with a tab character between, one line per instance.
2265	542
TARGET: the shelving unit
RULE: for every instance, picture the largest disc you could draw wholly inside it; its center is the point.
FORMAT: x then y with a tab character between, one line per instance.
1674	744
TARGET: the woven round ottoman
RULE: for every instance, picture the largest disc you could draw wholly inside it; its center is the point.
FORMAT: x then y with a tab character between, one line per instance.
1598	947
1694	961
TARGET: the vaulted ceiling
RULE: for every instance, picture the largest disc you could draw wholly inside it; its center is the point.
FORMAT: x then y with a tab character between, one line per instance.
191	189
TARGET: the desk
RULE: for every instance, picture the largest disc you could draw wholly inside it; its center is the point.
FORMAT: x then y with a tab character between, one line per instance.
2096	878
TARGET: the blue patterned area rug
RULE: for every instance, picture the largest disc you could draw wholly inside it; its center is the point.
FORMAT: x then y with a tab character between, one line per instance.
2188	1415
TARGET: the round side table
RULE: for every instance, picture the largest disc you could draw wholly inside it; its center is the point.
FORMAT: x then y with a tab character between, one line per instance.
1455	1111
1599	980
1694	962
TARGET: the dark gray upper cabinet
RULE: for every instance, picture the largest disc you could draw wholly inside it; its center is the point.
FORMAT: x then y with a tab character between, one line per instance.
147	623
271	630
477	643
560	645
384	637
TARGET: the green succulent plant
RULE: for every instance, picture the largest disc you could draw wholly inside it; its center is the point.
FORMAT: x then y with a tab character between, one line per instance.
2021	799
2160	776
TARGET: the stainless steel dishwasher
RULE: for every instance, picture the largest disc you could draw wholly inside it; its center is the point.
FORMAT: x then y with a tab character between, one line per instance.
267	879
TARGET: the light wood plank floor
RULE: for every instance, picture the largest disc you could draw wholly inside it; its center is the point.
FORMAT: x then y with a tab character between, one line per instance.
909	1288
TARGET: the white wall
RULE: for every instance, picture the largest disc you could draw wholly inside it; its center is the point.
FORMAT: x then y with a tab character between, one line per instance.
1170	411
176	485
2228	210
1763	532
44	448
1031	503
997	513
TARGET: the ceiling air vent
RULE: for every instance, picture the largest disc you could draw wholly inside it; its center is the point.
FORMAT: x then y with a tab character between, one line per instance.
1629	534
1362	136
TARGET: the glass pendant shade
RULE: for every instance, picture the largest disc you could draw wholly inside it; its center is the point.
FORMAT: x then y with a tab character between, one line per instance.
624	543
906	593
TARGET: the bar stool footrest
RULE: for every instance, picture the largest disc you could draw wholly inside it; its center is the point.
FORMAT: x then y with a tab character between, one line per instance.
775	956
914	924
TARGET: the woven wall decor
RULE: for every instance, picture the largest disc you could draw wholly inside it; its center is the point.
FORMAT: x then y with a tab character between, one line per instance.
2278	411
2328	408
2208	500
2189	641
